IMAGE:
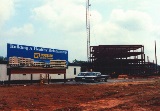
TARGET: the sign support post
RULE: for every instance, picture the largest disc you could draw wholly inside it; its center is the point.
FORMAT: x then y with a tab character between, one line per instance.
65	78
48	78
31	79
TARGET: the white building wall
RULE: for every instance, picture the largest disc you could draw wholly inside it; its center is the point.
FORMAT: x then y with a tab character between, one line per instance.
70	71
20	77
3	72
69	74
25	76
35	76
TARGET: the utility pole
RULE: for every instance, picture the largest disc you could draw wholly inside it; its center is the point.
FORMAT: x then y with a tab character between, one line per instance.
155	57
88	28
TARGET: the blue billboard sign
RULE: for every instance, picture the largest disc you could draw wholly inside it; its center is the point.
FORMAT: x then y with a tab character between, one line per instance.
22	55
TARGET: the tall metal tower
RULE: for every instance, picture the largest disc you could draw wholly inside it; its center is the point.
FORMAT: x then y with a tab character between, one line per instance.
88	28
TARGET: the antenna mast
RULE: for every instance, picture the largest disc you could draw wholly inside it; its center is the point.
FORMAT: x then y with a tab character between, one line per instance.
88	28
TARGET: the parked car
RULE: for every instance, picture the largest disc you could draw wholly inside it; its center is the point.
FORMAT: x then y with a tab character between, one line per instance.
91	76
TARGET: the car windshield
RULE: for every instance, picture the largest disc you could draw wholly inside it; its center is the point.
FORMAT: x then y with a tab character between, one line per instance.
98	73
81	74
90	74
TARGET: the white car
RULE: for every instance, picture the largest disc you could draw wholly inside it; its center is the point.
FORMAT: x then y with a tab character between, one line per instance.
91	76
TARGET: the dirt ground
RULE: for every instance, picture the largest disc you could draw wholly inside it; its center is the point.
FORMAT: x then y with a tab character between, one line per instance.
124	96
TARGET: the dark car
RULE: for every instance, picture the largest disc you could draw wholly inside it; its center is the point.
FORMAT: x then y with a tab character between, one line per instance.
91	76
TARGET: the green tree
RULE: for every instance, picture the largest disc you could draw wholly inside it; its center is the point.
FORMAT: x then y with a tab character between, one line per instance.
78	61
3	58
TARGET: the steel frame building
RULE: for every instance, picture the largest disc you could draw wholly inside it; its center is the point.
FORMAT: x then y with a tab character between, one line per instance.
120	59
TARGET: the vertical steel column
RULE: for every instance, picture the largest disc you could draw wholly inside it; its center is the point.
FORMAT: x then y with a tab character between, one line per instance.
144	63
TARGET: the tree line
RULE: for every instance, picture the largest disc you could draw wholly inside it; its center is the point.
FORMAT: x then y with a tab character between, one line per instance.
3	58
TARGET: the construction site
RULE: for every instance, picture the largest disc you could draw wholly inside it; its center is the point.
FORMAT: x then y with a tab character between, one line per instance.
121	59
133	83
136	95
118	60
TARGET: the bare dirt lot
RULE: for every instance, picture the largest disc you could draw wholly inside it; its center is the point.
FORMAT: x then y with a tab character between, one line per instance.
126	96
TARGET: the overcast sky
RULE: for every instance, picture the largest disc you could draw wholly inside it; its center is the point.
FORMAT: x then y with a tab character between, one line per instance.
60	24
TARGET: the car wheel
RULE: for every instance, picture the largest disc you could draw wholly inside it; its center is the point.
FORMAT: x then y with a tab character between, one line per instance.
96	80
105	79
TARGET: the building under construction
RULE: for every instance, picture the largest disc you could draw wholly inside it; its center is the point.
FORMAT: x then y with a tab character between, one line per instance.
119	59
